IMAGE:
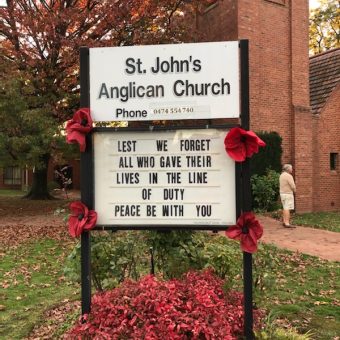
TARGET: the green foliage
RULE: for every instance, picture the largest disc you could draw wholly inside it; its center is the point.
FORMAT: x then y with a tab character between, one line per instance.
265	190
265	167
25	133
268	157
324	26
174	248
224	257
115	257
121	255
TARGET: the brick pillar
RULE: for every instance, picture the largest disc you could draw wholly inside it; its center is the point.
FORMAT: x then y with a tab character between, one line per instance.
303	161
302	125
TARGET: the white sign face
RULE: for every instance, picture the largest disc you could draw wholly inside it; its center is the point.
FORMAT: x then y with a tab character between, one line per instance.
181	177
165	82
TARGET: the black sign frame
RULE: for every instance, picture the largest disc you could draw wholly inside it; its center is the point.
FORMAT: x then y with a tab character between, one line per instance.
243	191
161	226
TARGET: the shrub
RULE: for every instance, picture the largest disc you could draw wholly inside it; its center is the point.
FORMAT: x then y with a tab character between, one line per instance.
268	157
177	252
114	258
224	256
194	307
126	254
265	191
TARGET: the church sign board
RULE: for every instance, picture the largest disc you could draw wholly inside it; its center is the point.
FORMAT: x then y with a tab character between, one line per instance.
173	178
165	82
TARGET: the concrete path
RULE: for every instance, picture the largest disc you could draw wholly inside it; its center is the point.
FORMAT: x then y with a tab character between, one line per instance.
316	242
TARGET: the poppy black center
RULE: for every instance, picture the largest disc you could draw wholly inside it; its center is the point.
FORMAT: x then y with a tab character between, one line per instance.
80	217
243	139
245	230
84	122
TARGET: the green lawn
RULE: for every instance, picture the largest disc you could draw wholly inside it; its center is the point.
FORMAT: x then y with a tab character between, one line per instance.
31	281
300	290
11	193
321	220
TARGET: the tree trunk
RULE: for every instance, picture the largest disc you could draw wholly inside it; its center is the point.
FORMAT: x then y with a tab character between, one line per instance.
39	190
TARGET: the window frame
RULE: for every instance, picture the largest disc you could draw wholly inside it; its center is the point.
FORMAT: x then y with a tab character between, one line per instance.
333	161
12	175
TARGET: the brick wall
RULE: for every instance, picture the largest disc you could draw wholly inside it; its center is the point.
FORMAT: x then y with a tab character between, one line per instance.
266	25
327	133
219	21
279	73
303	160
279	67
302	131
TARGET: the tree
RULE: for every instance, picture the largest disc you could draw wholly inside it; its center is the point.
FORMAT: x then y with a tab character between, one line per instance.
40	42
27	133
324	26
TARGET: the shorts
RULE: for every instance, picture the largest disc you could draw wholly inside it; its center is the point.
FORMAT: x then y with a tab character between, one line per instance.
287	201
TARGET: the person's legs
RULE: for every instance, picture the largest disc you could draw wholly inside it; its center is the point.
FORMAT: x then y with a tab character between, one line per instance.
286	216
287	205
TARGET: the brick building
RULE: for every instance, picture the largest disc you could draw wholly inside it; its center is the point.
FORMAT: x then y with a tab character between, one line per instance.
20	179
325	102
279	89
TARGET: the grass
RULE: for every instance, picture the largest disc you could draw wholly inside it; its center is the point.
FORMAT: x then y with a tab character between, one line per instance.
12	193
321	220
32	281
302	291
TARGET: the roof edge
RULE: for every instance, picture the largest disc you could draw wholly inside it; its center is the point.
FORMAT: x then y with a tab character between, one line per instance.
323	53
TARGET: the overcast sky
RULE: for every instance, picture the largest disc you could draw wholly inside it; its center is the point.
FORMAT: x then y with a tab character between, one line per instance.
313	3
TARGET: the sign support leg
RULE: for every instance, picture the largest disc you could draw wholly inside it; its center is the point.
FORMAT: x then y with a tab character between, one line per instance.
85	273
248	295
247	259
246	194
86	187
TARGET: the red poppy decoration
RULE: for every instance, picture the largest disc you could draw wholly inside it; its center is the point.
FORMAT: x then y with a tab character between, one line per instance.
78	127
240	144
81	219
248	230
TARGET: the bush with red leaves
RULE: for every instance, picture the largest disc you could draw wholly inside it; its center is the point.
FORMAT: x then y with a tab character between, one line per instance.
195	307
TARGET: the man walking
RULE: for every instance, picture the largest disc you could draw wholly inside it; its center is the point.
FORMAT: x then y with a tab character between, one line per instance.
287	190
